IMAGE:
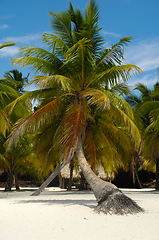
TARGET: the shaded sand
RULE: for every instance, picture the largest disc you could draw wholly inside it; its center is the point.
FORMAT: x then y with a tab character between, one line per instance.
61	215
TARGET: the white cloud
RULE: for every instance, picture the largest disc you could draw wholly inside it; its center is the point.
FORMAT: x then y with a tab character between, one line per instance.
149	80
8	52
111	33
3	26
6	17
144	54
23	39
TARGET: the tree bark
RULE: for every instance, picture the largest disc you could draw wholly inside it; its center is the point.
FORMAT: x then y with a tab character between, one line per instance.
16	182
71	175
110	199
10	181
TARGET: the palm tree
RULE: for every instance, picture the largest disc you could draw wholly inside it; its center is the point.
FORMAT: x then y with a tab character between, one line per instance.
16	79
13	161
8	159
149	110
79	78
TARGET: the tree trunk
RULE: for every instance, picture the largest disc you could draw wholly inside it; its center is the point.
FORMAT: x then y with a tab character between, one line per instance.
133	169
157	173
71	175
10	181
16	182
81	185
110	199
51	177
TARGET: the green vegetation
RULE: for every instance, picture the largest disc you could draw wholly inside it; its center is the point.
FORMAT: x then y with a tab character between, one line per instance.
81	112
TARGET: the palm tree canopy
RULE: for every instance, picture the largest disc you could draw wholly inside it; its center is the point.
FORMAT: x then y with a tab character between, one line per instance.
78	79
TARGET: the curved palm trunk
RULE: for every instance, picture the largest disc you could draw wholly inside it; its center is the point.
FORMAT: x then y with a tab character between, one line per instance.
110	199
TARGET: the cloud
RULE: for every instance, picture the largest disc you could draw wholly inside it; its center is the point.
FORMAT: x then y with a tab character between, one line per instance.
8	52
5	17
111	33
23	39
149	80
144	54
3	26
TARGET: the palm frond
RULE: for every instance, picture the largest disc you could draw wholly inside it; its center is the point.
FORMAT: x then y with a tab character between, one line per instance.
114	55
121	88
35	121
55	43
66	83
130	125
4	162
71	130
4	122
61	24
80	57
91	28
115	75
98	147
96	97
146	107
120	102
38	59
7	44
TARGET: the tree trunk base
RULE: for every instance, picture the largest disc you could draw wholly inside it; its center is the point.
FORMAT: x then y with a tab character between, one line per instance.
118	203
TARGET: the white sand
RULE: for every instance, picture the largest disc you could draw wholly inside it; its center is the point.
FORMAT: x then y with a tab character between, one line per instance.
58	214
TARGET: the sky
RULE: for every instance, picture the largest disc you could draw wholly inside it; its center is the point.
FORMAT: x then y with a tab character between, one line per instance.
23	22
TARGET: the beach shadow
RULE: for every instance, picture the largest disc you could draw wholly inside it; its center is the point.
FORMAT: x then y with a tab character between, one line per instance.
67	202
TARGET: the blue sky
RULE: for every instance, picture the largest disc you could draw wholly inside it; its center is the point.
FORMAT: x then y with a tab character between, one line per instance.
23	22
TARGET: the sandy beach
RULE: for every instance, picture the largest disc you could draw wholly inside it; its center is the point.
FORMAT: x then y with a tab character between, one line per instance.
60	214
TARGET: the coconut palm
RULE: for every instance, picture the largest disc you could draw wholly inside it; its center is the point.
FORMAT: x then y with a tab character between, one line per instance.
16	79
7	120
79	78
15	159
150	109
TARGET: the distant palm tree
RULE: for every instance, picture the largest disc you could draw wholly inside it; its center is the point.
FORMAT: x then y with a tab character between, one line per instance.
10	160
13	161
16	79
149	110
79	82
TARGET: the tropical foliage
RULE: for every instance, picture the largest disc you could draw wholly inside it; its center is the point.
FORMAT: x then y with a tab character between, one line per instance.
79	79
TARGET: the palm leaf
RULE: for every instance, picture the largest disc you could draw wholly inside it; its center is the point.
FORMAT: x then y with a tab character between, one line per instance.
96	97
115	54
71	130
7	44
4	122
55	43
4	162
65	83
129	123
61	24
80	57
146	107
35	121
114	75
